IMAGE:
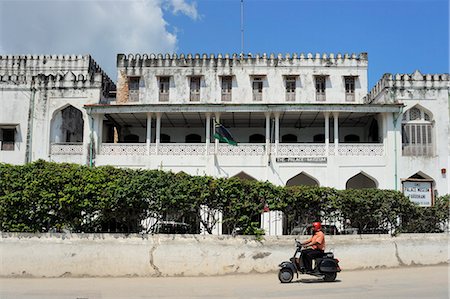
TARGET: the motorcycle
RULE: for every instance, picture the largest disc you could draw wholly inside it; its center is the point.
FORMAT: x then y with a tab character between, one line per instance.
326	267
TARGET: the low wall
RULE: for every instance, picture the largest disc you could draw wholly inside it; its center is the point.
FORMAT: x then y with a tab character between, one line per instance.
59	255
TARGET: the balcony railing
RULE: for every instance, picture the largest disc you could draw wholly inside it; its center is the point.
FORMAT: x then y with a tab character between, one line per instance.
126	149
242	149
66	148
361	149
300	150
182	149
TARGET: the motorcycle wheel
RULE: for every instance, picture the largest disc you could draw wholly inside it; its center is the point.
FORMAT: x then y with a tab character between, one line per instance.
285	275
330	276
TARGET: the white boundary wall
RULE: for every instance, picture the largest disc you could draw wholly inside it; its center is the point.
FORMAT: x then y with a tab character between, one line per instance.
100	255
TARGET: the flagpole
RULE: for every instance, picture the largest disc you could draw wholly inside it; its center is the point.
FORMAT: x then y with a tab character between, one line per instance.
242	26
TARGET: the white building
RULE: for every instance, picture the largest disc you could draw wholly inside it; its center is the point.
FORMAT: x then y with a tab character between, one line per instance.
298	119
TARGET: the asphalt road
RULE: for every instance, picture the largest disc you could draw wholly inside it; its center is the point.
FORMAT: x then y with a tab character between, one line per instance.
411	282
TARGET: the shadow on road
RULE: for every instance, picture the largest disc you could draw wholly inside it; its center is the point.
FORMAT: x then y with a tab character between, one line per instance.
314	280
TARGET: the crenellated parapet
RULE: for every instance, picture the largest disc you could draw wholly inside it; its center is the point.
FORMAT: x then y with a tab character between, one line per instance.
406	82
55	71
226	60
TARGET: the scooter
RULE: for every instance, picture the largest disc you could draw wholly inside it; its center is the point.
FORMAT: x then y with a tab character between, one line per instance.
326	267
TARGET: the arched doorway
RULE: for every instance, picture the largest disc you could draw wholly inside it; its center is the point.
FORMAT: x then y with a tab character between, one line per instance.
360	181
244	176
302	179
67	125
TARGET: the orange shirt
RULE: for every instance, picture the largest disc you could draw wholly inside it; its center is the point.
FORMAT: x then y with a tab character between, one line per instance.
319	237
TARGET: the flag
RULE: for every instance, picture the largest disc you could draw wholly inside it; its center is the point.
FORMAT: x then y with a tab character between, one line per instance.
224	135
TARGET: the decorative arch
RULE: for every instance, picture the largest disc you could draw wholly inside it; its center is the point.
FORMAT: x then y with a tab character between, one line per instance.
302	179
289	138
244	176
319	138
257	138
417	132
164	138
421	176
67	125
351	138
193	138
361	181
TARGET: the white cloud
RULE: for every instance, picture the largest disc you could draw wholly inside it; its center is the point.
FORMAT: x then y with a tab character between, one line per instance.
180	6
101	28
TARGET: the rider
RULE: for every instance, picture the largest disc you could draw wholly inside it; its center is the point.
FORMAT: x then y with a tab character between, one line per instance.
317	244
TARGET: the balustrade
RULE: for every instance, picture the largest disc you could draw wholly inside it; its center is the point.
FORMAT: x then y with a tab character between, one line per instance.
66	148
242	149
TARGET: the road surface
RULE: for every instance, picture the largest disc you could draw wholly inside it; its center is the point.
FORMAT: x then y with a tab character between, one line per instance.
410	282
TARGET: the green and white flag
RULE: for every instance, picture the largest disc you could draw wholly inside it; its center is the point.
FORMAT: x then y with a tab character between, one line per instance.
224	135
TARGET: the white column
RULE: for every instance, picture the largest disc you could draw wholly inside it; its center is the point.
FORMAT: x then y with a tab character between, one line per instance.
336	132
149	131
158	131
216	141
277	131
100	132
267	133
327	133
208	131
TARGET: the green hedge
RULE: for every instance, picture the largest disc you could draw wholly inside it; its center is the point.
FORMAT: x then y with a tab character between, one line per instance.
45	196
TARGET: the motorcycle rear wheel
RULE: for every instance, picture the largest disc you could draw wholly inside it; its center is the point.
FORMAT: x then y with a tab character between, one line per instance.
285	275
330	277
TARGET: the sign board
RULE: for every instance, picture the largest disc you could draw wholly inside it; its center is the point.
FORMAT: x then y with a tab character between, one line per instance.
419	192
302	159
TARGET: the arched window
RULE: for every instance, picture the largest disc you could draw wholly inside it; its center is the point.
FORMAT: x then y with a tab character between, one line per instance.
417	132
193	138
164	138
257	138
360	181
289	138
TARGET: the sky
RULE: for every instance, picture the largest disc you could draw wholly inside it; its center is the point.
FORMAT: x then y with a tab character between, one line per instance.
399	36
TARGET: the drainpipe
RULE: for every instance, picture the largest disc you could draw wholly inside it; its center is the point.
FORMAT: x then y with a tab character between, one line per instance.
395	118
29	145
91	143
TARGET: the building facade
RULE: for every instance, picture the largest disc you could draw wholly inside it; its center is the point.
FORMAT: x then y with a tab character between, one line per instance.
298	119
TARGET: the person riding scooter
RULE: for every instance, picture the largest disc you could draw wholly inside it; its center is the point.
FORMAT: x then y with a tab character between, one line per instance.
317	244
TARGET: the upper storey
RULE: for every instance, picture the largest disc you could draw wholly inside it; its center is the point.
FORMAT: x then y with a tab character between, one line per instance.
403	87
54	71
292	78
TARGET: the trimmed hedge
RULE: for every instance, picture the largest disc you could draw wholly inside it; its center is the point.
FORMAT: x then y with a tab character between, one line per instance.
45	196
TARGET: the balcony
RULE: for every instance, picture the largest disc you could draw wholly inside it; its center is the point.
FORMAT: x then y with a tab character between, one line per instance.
66	148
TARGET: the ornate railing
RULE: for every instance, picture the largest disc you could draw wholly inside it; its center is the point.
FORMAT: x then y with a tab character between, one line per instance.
181	149
360	149
243	149
66	148
300	150
129	149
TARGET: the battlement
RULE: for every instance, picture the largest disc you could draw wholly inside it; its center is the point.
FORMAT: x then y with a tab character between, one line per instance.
197	60
23	69
416	80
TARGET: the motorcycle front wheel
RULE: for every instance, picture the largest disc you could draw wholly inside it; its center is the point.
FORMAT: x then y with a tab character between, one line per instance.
285	275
